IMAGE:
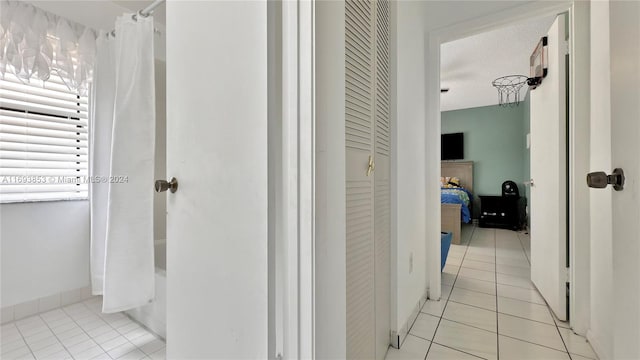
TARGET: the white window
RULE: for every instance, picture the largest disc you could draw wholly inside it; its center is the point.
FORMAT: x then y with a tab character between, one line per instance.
43	141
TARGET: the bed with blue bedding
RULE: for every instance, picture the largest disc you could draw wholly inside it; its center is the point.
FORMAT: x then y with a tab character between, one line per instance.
456	184
460	196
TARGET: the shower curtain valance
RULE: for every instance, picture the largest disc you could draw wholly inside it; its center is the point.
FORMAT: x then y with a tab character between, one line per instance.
36	45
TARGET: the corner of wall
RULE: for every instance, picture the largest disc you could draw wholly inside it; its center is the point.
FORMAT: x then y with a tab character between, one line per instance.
413	157
598	345
398	336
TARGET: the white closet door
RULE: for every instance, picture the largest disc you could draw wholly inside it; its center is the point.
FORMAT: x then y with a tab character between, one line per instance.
367	189
548	171
382	196
359	184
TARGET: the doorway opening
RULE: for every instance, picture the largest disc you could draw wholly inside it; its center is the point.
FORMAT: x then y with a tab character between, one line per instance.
575	161
485	127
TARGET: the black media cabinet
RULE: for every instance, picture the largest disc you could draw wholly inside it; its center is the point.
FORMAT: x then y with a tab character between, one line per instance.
506	212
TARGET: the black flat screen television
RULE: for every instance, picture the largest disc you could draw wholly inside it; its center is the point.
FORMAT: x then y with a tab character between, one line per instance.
452	146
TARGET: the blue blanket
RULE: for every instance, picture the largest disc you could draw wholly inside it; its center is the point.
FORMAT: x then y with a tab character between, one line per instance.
457	196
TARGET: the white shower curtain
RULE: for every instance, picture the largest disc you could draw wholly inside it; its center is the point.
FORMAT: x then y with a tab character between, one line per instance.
122	166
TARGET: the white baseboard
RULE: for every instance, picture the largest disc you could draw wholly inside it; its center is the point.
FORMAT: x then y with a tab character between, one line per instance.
596	344
398	337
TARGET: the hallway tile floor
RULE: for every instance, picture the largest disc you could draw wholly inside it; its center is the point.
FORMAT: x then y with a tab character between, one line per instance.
79	331
489	308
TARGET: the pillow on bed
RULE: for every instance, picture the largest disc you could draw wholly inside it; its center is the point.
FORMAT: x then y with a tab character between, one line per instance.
454	182
449	182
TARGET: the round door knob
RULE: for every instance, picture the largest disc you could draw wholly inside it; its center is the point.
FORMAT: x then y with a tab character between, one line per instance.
600	179
163	185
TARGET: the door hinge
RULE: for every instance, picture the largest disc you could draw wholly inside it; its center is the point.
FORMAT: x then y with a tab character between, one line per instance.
567	47
567	275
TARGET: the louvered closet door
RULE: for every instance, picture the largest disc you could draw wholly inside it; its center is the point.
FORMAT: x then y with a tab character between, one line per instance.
367	193
359	186
382	200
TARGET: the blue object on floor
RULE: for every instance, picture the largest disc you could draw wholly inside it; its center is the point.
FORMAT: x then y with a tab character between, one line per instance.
445	239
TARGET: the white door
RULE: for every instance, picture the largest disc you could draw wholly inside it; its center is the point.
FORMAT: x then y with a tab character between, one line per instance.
549	176
382	247
217	149
625	145
367	149
359	147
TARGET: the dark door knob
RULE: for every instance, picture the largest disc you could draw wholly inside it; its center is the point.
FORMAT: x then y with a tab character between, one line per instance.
600	179
171	185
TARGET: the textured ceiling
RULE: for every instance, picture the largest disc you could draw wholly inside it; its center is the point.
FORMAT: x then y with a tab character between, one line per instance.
469	65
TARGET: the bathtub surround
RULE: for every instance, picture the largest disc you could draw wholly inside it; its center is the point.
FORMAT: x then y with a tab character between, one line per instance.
122	264
154	315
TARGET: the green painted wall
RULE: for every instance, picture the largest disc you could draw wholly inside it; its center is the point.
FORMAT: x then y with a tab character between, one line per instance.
495	140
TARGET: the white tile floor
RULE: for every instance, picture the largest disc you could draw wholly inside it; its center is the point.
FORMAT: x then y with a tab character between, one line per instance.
489	307
79	331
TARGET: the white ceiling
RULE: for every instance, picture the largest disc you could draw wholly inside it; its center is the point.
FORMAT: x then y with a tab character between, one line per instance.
469	65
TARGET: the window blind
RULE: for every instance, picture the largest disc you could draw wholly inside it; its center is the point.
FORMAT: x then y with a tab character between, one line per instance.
43	141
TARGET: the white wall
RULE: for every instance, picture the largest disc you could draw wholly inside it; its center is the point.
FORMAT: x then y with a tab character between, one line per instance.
601	327
408	172
330	241
45	249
